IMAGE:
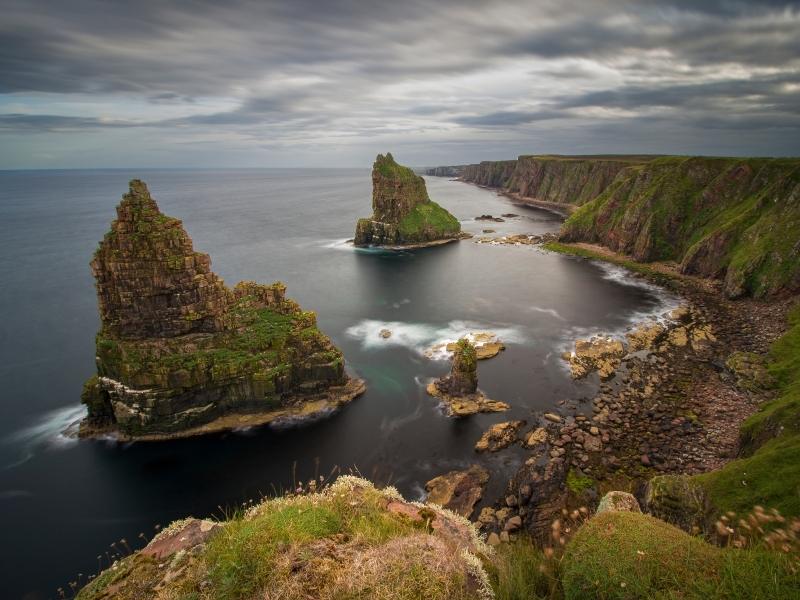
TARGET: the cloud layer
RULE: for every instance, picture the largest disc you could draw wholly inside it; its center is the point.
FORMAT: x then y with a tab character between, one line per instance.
247	83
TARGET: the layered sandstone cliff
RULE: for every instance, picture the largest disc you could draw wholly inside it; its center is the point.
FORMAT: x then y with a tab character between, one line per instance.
734	219
728	218
403	214
179	353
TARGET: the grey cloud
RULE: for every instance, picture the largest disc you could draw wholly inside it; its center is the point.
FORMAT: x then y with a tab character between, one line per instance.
481	72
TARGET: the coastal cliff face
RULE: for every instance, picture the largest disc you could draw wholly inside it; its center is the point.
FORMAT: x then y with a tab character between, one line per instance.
557	179
403	214
179	352
490	173
451	171
733	219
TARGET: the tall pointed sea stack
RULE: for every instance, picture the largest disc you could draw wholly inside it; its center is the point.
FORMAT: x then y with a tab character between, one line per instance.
179	353
403	214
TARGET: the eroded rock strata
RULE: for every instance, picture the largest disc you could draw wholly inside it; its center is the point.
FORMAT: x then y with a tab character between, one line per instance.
732	219
180	353
402	212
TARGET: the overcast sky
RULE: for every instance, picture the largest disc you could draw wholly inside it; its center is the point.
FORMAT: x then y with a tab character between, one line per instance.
85	83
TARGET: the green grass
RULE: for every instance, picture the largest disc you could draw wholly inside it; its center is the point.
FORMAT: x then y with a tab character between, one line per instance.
721	217
624	555
428	221
340	544
578	484
519	571
241	559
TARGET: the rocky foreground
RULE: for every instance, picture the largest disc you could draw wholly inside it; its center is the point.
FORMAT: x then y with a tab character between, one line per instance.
179	353
403	215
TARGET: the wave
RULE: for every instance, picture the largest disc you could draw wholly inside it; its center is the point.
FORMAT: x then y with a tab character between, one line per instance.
52	431
421	337
548	311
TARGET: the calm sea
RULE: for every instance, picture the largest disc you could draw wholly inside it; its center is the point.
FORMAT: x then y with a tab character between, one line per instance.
63	502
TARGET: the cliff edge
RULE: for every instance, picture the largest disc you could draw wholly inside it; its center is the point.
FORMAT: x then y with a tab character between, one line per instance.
402	212
179	353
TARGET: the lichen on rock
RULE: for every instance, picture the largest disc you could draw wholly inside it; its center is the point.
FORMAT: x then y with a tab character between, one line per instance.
180	353
402	212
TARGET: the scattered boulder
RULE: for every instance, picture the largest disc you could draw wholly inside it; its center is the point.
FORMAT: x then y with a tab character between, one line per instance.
458	490
618	501
536	437
385	333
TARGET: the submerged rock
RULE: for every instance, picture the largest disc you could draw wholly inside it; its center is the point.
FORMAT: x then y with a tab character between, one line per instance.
179	353
403	214
458	490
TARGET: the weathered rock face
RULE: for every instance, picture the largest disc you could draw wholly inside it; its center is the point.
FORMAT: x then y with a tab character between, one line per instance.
179	353
463	378
450	171
150	281
728	218
569	180
458	391
403	214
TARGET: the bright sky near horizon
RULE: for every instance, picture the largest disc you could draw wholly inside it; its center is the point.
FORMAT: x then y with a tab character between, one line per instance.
200	83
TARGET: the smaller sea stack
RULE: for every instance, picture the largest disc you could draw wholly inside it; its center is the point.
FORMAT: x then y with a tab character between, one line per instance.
458	391
402	212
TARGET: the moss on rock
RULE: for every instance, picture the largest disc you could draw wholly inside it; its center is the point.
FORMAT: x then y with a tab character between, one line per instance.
403	214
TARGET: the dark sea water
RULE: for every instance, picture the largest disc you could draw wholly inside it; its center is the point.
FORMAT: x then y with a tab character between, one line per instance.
63	502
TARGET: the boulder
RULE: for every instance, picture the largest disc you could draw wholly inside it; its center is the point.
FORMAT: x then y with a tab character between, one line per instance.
499	436
458	491
618	501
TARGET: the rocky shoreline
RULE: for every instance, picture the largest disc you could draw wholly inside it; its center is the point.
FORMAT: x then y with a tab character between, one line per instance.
672	403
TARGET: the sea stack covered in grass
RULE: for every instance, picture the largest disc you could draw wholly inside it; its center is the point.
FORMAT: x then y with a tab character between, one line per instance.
403	214
179	353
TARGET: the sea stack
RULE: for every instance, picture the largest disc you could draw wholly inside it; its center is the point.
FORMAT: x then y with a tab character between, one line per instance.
179	353
458	391
402	213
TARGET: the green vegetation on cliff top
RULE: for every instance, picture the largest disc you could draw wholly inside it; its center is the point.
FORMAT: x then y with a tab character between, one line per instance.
720	217
627	555
770	475
429	221
258	342
342	543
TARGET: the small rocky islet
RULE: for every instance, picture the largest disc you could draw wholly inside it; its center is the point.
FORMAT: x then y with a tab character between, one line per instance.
179	353
403	215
